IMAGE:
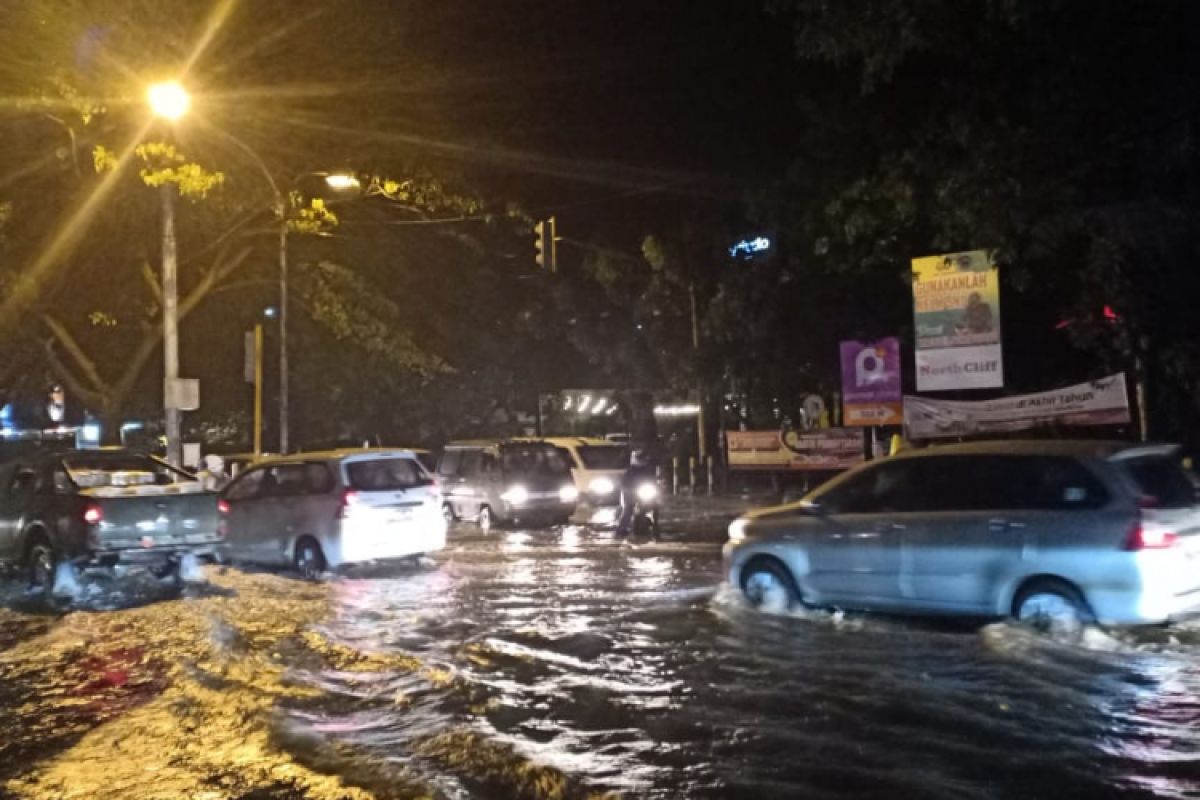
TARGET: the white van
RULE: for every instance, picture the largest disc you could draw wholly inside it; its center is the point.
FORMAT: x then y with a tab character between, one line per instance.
596	467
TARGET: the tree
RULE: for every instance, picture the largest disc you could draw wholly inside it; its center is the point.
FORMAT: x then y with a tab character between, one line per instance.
1057	133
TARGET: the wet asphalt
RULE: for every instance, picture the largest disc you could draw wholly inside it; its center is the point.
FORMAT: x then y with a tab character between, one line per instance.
561	664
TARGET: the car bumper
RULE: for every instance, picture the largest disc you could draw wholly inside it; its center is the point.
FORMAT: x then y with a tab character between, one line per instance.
537	510
371	542
1152	588
146	556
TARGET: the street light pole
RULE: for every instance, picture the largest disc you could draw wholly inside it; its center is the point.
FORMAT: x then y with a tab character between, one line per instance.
281	212
170	291
170	101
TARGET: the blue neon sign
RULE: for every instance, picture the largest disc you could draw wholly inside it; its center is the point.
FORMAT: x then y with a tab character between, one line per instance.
749	247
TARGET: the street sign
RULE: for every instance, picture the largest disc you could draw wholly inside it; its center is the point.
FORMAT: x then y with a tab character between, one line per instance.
182	394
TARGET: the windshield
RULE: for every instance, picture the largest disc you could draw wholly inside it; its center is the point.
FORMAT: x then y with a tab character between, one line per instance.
534	461
1163	480
386	474
125	469
604	456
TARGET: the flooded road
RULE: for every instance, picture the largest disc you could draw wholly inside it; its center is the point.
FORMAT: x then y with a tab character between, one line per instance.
557	664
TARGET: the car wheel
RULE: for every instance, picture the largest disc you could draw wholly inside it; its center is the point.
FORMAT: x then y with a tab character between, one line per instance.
769	586
448	514
40	564
484	520
309	560
1053	608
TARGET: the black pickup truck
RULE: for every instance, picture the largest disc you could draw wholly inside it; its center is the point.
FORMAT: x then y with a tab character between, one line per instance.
102	509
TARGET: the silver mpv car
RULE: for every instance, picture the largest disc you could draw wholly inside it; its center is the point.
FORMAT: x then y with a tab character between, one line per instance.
1058	534
318	510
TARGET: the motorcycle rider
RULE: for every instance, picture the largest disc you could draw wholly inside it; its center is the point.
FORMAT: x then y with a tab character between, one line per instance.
640	471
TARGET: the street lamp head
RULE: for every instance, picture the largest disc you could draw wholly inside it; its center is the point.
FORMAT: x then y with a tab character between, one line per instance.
169	100
342	181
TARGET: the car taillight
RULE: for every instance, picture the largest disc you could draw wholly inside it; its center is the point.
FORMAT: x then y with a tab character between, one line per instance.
349	500
1145	536
223	506
92	515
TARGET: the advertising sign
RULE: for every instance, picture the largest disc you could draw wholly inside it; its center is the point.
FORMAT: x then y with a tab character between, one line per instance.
956	307
824	449
1100	402
871	393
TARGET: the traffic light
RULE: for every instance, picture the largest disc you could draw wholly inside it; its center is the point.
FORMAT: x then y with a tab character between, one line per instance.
547	251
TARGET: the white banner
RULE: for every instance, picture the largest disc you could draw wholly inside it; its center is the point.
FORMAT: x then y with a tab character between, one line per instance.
977	367
1101	402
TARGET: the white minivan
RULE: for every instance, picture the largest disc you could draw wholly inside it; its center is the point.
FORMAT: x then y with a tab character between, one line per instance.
320	510
597	466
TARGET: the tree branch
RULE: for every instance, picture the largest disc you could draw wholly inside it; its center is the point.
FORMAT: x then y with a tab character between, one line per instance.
95	399
85	363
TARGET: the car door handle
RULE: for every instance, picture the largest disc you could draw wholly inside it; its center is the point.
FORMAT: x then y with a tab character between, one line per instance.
997	525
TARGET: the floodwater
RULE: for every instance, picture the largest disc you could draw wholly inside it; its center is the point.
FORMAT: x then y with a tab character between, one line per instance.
558	664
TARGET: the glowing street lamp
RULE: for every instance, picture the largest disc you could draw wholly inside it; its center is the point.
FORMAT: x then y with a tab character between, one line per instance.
170	101
341	182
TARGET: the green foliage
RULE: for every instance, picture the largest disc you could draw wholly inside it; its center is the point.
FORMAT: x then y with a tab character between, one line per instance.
166	165
356	313
312	216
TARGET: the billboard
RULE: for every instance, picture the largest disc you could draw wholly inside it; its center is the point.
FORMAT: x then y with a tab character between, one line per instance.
1100	402
956	317
871	393
823	449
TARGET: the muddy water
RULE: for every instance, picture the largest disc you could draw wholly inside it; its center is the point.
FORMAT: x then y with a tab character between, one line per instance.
556	664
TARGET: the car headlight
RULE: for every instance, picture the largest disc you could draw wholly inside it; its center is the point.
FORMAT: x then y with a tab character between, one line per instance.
601	486
647	492
737	529
516	495
568	494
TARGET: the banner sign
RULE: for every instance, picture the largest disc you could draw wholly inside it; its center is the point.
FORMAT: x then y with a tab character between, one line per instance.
871	393
1101	402
824	449
956	315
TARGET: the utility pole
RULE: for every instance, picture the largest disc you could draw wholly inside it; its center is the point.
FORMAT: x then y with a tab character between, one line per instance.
170	299
701	439
281	212
258	388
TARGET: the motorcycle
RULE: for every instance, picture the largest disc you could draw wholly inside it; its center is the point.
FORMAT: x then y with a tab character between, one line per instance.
647	499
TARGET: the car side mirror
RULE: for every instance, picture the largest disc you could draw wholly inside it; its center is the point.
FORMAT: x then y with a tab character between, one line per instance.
813	508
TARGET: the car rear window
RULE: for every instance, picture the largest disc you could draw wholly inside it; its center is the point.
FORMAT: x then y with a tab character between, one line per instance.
600	456
386	474
1162	480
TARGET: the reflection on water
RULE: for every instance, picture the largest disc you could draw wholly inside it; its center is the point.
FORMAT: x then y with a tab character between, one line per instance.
558	664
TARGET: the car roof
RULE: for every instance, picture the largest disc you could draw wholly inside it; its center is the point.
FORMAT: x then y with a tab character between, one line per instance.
1078	448
468	443
345	452
567	441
